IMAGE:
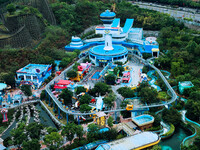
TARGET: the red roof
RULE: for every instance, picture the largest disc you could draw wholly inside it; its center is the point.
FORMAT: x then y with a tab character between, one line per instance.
125	79
64	82
126	74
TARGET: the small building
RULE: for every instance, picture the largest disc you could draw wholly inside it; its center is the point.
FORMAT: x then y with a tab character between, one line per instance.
61	84
126	77
100	119
33	74
144	121
138	141
184	85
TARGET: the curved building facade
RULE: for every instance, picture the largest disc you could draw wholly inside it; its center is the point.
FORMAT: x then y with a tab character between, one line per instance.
102	54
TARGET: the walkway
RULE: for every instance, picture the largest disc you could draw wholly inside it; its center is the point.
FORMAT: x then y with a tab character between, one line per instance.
126	128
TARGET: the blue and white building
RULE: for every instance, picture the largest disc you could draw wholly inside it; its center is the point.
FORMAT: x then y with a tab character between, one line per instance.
127	36
33	74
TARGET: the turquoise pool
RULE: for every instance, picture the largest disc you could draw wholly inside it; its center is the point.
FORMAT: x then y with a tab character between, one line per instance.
96	75
143	119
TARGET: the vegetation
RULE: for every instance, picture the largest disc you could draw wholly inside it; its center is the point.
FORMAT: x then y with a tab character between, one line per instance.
80	89
171	131
110	121
100	89
26	89
72	74
110	79
109	100
85	99
172	116
53	140
85	108
126	92
66	95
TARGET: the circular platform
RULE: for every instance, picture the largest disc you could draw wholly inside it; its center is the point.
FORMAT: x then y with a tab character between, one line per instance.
117	50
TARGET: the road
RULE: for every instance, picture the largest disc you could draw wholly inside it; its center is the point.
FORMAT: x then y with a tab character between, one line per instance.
176	13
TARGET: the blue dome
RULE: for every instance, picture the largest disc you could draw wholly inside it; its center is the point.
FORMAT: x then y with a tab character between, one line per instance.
108	14
76	39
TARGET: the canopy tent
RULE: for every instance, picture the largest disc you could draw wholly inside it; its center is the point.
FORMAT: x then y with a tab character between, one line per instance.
63	82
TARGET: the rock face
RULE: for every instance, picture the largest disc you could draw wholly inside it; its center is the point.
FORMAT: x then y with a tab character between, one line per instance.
23	29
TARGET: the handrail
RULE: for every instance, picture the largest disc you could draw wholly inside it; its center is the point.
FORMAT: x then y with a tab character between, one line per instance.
174	96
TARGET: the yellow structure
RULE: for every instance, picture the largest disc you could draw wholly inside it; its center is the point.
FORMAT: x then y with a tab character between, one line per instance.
100	119
129	107
78	77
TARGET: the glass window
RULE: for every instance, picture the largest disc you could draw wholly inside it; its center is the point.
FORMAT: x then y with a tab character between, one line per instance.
21	77
28	77
34	78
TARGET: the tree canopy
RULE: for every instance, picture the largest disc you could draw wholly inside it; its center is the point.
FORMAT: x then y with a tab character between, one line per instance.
66	95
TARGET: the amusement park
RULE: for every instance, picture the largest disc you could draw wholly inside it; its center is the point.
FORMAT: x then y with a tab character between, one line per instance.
110	95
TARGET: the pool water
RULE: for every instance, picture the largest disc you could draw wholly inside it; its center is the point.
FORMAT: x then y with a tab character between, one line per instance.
143	120
174	142
96	75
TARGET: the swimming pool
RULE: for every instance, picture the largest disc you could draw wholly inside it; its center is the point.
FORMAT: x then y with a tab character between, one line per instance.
143	119
96	75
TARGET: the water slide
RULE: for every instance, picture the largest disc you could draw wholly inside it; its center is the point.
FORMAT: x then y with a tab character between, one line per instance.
128	25
116	22
154	78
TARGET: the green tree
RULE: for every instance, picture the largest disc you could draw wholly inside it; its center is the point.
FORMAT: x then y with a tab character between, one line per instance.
75	67
110	79
64	62
92	133
85	99
109	100
26	89
100	89
85	108
110	122
53	140
126	92
172	116
18	135
69	131
79	131
11	8
148	95
33	144
34	130
72	74
77	51
9	78
66	95
80	89
51	129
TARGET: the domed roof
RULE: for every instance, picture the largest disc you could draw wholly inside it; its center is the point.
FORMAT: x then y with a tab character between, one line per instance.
76	39
108	14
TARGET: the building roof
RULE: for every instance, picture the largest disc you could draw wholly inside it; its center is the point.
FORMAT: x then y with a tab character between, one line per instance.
63	82
100	114
131	142
117	50
3	86
2	147
107	13
33	68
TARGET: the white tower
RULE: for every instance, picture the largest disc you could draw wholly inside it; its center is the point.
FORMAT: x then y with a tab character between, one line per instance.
107	17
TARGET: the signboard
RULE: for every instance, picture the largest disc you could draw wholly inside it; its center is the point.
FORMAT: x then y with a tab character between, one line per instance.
103	61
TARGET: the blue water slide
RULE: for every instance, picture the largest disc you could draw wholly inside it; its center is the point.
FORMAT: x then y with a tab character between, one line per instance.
128	25
116	22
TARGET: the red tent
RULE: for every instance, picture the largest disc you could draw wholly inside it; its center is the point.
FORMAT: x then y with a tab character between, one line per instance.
64	82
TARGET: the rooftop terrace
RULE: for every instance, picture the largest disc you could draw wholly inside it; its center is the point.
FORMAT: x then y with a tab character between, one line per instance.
33	68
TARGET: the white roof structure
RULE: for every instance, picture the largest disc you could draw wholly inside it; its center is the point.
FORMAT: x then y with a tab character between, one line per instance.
143	139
